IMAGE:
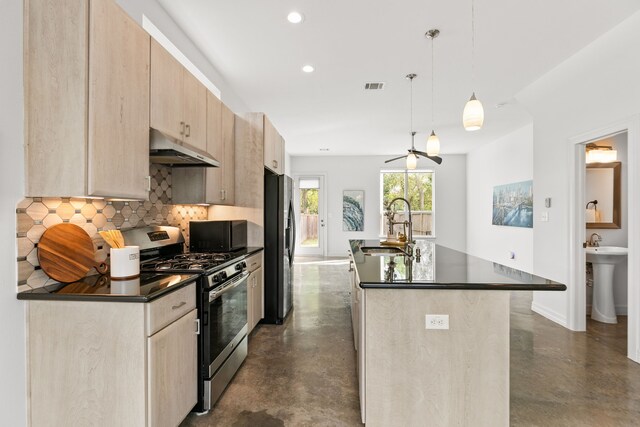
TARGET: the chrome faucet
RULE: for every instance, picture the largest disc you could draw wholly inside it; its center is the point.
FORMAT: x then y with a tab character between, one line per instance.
390	214
594	240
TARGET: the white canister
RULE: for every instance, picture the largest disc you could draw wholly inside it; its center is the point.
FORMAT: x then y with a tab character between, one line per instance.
125	262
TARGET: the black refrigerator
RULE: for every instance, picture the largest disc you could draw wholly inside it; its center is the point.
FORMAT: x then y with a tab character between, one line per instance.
279	247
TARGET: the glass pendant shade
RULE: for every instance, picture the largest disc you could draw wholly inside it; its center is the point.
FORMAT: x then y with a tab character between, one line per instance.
433	144
473	115
412	161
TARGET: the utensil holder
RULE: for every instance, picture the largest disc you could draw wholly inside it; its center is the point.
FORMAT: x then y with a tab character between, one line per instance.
125	262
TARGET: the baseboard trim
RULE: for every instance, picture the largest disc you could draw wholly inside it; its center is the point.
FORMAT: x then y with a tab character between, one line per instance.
621	310
549	314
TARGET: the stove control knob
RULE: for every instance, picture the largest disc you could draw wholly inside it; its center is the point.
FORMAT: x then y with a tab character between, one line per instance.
223	275
244	264
216	278
239	266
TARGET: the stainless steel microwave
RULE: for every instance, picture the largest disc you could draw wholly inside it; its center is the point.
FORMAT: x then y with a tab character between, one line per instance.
217	236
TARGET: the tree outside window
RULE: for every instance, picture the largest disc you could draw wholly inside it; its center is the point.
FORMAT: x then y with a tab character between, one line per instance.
418	188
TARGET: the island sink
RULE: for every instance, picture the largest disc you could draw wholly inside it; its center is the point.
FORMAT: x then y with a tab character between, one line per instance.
381	250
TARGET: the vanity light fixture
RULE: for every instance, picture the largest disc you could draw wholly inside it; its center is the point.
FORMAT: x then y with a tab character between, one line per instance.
601	153
473	114
295	17
433	142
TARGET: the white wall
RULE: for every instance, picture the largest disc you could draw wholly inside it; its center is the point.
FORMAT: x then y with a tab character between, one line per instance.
506	160
594	88
363	172
617	237
161	19
12	320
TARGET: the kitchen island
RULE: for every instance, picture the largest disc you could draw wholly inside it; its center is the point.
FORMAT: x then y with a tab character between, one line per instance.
432	334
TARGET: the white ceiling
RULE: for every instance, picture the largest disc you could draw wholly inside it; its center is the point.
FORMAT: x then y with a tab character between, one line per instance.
350	42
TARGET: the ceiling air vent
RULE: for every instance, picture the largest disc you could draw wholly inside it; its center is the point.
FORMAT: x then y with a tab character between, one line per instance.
374	86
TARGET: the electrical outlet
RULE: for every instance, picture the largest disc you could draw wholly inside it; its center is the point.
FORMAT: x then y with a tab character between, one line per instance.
544	216
436	321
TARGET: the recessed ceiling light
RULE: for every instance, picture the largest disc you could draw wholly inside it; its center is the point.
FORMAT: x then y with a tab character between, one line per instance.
308	69
324	149
295	17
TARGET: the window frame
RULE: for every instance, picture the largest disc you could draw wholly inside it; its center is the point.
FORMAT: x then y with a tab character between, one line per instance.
406	173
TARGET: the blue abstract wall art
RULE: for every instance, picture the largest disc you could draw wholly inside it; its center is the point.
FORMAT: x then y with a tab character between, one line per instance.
353	210
513	204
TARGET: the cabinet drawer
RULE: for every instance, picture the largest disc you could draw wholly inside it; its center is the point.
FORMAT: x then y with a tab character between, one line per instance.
254	261
165	310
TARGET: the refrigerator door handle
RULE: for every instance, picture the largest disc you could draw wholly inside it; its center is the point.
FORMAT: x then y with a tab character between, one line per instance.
292	221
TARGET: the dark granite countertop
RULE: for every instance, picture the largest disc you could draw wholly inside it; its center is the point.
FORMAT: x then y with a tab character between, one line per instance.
250	250
147	287
440	268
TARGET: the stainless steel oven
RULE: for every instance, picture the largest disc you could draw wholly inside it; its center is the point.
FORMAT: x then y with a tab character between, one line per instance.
224	329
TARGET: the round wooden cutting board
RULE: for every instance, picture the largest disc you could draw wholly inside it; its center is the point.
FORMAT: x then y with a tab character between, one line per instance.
66	254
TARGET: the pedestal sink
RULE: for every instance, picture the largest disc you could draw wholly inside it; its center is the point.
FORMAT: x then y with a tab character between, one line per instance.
604	260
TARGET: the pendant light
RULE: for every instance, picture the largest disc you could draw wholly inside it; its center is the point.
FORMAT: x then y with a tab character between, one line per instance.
412	159
433	142
473	114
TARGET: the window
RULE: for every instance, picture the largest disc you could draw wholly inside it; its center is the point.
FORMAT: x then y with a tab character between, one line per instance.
418	187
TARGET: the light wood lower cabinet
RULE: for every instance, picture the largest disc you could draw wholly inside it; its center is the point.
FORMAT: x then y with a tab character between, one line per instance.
86	100
98	363
255	290
173	371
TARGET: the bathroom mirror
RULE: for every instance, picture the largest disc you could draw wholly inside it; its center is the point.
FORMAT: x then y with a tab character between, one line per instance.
602	184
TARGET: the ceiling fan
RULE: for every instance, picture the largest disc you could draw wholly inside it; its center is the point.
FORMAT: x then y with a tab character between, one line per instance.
412	155
415	153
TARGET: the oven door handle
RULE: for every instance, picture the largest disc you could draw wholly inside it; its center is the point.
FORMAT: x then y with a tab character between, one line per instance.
226	288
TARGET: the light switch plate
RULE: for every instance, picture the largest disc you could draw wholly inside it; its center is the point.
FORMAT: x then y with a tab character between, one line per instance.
436	321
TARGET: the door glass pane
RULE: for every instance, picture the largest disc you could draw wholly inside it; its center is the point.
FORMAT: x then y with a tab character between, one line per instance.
309	213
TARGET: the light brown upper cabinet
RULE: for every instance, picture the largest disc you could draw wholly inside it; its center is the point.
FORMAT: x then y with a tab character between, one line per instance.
211	185
221	144
86	100
249	177
273	148
178	100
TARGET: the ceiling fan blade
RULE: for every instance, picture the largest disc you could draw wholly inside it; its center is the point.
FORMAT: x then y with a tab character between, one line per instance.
395	158
436	159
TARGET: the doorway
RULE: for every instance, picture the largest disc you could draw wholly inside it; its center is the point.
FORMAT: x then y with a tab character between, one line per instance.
628	233
310	202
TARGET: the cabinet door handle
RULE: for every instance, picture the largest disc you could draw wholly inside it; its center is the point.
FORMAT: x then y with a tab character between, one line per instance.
188	134
182	128
148	179
275	163
197	326
224	194
175	307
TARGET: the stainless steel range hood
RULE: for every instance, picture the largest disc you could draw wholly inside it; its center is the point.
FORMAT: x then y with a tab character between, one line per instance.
166	150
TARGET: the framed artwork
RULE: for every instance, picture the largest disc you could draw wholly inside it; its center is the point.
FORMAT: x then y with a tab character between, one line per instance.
513	204
353	210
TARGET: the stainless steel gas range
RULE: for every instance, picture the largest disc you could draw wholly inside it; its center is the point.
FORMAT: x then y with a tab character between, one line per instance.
221	302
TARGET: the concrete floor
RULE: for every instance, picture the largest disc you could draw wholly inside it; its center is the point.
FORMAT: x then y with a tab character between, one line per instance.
303	373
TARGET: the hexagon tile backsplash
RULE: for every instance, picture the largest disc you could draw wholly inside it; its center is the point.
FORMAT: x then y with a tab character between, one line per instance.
35	215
